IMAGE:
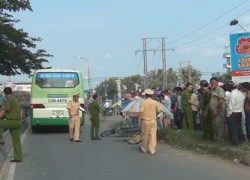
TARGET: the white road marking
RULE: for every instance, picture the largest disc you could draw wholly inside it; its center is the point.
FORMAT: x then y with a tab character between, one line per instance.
13	165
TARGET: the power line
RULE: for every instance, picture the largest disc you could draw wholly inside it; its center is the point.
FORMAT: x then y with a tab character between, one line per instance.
204	42
208	23
226	24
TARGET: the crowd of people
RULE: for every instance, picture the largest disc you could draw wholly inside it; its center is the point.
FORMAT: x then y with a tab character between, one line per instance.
214	108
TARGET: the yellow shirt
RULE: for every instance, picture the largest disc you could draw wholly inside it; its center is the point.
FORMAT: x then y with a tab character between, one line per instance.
74	107
149	108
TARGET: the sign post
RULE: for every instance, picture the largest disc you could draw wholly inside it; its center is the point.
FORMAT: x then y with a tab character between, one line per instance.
240	57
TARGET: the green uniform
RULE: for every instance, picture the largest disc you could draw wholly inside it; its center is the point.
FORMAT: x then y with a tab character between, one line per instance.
218	121
94	110
13	115
187	108
206	121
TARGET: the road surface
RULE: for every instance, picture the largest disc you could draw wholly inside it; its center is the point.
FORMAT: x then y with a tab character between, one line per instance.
52	156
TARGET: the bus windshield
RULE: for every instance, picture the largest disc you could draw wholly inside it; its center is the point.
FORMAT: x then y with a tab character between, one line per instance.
57	79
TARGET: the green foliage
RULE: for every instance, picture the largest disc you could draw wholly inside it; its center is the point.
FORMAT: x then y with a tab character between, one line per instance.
110	86
225	77
155	79
130	82
18	54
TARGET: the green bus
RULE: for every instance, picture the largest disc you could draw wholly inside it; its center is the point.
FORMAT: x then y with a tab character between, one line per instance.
51	89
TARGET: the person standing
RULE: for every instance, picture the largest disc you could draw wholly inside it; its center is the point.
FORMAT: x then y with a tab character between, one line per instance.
12	111
246	89
95	110
147	121
234	113
217	106
187	107
206	112
194	98
178	110
74	118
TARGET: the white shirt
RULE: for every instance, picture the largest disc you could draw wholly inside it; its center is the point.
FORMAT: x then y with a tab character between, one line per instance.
106	105
167	102
194	98
236	102
227	94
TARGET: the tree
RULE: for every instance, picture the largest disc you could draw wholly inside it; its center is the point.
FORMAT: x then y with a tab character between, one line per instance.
195	75
17	52
130	81
225	77
109	86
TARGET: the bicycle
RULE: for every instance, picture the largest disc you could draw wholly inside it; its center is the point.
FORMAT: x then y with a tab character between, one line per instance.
122	131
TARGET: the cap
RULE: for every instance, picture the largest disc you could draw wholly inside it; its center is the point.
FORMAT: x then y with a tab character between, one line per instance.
149	91
3	99
76	94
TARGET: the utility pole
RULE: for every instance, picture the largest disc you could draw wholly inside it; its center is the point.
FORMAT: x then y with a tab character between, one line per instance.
136	86
145	59
105	88
189	72
118	82
162	49
180	74
164	74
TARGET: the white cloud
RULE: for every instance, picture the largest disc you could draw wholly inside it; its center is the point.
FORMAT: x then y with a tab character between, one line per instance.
108	56
213	52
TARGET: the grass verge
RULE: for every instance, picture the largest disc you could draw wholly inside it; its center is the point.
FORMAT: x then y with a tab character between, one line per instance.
193	140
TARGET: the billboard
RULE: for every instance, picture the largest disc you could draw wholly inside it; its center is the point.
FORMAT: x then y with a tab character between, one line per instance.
240	57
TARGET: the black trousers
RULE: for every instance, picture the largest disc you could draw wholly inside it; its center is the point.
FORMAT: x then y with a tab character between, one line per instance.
178	118
248	124
235	128
194	120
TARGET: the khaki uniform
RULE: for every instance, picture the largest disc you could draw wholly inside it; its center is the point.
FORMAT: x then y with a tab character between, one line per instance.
74	121
218	121
149	108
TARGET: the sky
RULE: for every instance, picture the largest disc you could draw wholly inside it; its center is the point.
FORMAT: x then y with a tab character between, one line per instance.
108	33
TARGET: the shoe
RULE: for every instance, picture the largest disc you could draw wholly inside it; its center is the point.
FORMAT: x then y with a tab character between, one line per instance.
2	143
14	160
98	138
140	149
153	153
78	141
71	139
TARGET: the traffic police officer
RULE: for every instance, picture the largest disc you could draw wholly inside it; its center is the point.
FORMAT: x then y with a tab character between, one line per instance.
12	111
148	111
217	106
206	111
74	118
95	110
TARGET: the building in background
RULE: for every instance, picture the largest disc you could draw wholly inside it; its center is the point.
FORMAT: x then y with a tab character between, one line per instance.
24	86
227	56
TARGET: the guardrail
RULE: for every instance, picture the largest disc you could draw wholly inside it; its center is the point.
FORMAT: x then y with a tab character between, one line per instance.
4	150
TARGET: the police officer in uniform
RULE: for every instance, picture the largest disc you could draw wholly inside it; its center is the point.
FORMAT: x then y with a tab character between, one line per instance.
187	107
12	111
206	112
217	106
74	118
147	121
95	110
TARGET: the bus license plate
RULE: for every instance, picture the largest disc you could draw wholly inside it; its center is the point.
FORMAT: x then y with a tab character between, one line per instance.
57	100
57	113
